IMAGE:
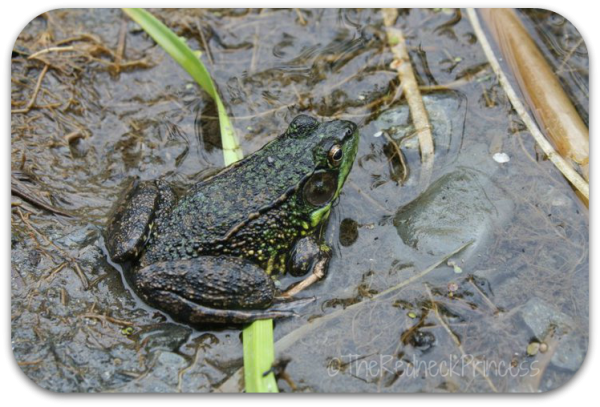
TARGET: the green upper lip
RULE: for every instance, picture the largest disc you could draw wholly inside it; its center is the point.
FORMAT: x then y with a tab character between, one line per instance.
347	166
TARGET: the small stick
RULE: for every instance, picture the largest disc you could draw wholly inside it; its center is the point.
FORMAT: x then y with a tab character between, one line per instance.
456	340
106	318
205	43
300	16
120	48
17	188
36	90
51	49
400	155
409	85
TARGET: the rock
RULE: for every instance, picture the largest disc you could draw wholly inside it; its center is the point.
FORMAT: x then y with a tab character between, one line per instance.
571	345
540	316
459	207
570	352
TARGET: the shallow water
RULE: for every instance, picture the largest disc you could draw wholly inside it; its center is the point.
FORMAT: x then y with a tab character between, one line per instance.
77	327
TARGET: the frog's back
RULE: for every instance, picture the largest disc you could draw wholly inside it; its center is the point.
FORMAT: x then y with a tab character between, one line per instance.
214	209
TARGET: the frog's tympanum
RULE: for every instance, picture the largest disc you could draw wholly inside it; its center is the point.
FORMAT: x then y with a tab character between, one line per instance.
208	256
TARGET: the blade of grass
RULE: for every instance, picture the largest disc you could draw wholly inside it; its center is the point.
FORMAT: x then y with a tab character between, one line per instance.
259	354
259	351
184	56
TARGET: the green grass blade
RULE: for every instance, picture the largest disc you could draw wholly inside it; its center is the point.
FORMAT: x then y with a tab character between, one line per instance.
259	354
185	57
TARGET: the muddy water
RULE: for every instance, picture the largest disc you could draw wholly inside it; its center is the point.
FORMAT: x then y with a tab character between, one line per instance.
112	105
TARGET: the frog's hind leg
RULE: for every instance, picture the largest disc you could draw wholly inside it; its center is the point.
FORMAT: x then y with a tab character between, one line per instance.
212	289
183	309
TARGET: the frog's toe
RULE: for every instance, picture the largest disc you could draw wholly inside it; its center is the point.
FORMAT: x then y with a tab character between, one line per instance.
284	303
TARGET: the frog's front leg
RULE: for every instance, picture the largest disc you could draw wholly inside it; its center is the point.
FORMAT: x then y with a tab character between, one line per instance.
131	219
307	255
212	289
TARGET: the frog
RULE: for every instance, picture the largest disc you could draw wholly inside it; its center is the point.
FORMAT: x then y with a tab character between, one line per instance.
211	255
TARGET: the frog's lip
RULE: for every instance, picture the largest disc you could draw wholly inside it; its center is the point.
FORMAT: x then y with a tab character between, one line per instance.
353	140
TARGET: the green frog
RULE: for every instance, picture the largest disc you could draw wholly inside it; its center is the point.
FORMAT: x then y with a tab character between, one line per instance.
210	255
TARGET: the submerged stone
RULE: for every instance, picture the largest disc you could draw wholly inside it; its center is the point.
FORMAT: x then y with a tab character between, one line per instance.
545	320
459	207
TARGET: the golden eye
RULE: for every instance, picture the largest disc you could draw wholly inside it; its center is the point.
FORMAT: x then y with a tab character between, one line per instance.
335	155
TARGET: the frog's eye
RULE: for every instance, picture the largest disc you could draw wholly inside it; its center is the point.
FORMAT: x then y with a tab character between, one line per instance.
335	155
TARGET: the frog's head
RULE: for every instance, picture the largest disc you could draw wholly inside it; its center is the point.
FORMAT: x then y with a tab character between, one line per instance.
333	146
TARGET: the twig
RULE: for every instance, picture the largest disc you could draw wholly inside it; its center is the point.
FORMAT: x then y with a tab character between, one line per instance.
424	272
456	340
560	163
29	363
400	155
84	281
568	56
56	270
542	91
368	197
106	318
73	136
255	49
409	85
454	84
17	188
205	44
51	49
300	16
36	90
484	296
120	48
